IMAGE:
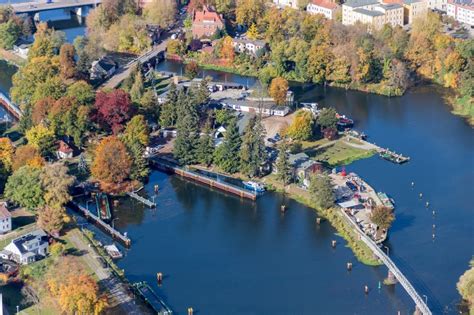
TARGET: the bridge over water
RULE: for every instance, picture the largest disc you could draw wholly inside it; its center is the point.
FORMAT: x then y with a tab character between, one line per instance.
35	7
11	108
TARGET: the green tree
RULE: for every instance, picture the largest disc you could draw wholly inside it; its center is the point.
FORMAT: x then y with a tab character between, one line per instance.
227	154
187	138
41	138
382	216
249	12
55	182
320	189
138	88
327	118
252	151
465	286
82	91
168	114
136	138
284	171
205	149
24	188
47	42
9	34
161	12
149	105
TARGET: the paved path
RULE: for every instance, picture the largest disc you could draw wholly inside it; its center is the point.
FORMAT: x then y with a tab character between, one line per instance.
118	293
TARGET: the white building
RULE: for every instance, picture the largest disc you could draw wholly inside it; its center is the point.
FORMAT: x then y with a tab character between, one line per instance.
27	248
103	68
372	12
5	219
248	46
440	5
461	10
324	7
413	9
286	3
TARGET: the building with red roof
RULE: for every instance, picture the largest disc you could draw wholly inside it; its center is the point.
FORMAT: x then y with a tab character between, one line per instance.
206	22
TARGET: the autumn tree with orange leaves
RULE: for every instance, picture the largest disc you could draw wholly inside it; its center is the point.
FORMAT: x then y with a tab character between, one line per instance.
278	90
27	155
112	164
227	50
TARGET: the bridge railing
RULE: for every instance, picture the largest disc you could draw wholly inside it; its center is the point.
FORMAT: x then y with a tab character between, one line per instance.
420	303
15	110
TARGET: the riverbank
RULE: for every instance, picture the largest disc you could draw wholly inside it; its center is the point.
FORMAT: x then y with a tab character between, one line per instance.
11	58
344	229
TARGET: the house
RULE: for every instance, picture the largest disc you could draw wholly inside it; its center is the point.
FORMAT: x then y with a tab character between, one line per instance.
412	9
206	22
248	46
27	248
438	5
372	12
64	151
103	68
22	47
267	108
305	170
461	10
286	3
324	7
5	219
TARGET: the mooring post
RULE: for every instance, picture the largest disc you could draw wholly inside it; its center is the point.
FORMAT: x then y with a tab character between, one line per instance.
190	311
159	277
349	266
333	243
283	208
366	289
318	220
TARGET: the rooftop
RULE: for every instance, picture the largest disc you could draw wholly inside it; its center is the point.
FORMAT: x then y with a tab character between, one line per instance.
369	12
22	241
325	4
360	3
467	4
207	15
64	147
256	42
4	213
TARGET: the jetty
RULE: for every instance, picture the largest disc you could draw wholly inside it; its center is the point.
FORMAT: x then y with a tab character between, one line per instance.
392	156
143	200
168	167
101	224
152	299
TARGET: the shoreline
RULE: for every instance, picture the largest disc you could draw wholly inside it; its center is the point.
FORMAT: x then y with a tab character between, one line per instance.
11	58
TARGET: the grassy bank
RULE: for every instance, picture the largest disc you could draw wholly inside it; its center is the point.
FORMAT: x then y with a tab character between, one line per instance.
344	229
339	153
463	106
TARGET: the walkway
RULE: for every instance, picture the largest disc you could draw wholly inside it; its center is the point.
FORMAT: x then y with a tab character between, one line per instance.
118	293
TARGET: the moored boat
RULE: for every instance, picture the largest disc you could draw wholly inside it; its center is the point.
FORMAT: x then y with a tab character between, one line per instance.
103	207
386	201
254	186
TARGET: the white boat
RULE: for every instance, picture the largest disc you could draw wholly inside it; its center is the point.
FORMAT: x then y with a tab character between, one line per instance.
257	187
113	251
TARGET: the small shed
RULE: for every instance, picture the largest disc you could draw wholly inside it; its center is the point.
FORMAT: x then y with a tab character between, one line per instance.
64	150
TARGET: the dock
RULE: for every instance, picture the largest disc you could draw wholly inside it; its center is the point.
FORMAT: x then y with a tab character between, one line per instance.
101	224
143	200
152	299
168	167
392	156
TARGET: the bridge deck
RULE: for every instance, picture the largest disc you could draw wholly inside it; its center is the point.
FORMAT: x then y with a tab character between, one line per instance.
33	7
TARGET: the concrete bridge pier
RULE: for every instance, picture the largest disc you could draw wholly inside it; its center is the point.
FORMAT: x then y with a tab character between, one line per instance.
81	11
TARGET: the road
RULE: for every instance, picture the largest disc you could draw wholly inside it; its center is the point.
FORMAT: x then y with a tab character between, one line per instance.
37	6
123	72
120	297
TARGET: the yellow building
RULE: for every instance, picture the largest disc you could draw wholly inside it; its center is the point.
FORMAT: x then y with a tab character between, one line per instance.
372	12
413	9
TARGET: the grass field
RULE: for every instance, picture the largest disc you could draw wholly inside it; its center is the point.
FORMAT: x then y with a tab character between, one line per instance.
338	154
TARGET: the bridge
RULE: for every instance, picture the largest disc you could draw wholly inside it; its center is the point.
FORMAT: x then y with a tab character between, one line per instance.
32	8
11	108
419	302
145	201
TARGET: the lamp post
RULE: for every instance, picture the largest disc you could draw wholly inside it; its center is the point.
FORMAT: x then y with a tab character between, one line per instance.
388	250
426	299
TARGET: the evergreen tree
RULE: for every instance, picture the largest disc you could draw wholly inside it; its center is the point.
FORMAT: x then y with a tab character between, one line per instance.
136	138
138	88
227	154
187	128
252	152
168	114
205	150
139	169
320	189
284	173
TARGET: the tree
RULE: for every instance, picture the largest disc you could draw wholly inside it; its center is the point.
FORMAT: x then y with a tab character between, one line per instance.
205	149
278	90
301	127
47	42
249	12
82	91
382	216
284	171
136	138
465	285
112	109
67	62
168	114
191	69
9	34
27	155
68	118
57	249
41	138
187	128
51	219
223	116
41	110
161	12
320	189
138	87
112	163
175	47
6	153
252	151
24	188
55	182
227	50
327	118
149	105
227	154
252	32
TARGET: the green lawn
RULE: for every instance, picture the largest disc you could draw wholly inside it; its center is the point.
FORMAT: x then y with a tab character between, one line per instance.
338	154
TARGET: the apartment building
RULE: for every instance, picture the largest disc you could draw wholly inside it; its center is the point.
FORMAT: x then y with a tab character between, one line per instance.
324	7
461	10
372	12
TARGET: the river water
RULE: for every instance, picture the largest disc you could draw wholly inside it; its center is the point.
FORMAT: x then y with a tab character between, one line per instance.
224	255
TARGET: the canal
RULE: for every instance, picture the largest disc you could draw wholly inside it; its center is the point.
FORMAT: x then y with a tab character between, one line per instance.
223	255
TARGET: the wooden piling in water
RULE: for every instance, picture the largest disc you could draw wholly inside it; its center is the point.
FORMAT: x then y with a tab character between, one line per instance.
159	277
349	266
283	208
190	311
318	220
333	243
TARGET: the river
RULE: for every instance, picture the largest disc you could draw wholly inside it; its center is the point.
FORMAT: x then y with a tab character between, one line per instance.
223	255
